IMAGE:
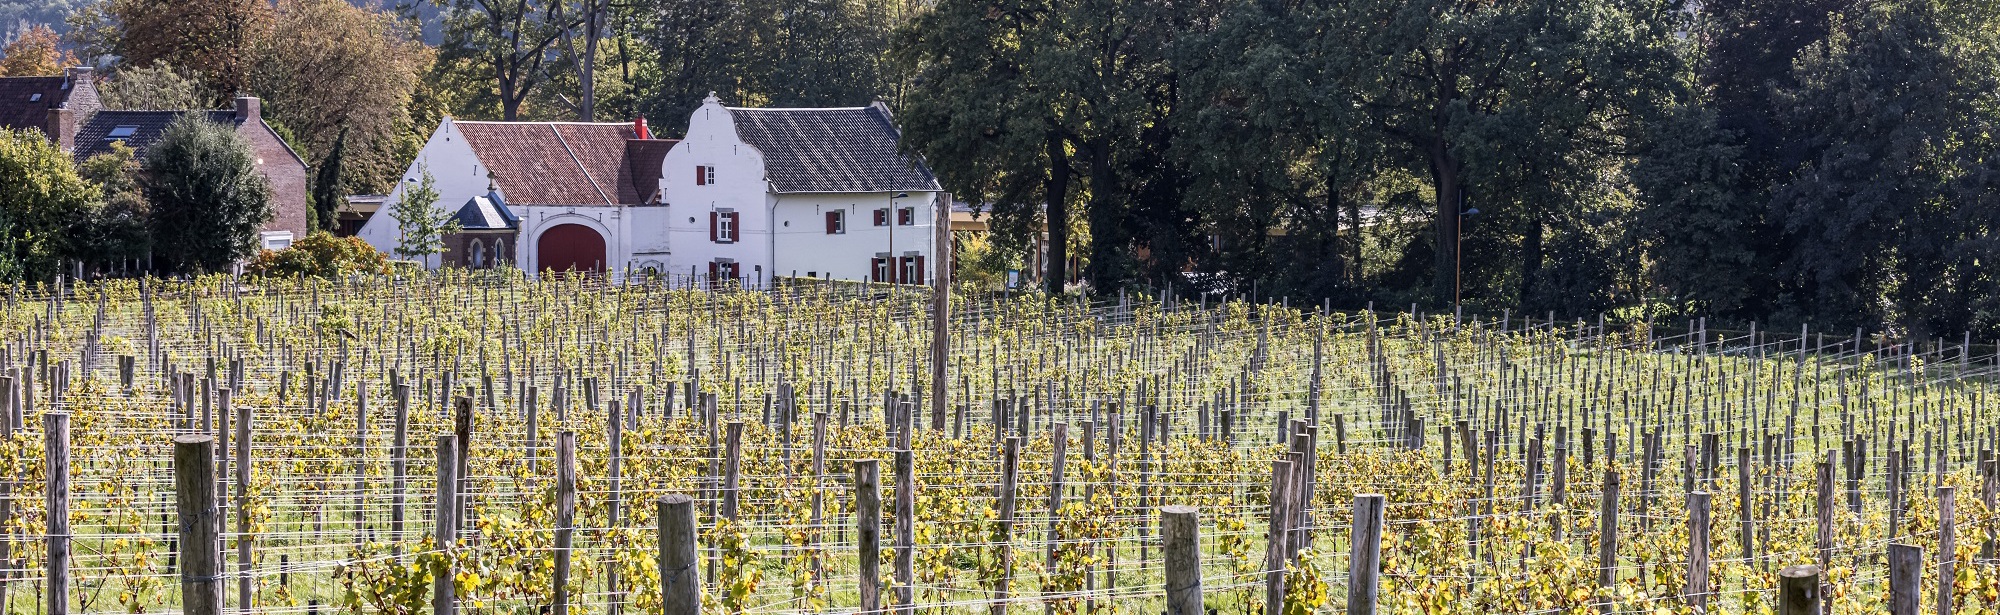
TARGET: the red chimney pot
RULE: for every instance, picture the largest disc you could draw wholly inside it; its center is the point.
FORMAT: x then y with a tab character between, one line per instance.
639	126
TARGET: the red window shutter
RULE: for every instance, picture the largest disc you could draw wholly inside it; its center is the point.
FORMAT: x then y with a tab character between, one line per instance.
714	271
832	222
700	176
735	226
712	234
919	271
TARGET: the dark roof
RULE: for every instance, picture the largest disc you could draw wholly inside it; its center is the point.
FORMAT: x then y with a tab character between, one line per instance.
21	108
94	136
831	150
566	163
643	158
485	213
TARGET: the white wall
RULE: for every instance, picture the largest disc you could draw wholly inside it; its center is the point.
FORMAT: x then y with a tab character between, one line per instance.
739	186
613	223
803	246
458	174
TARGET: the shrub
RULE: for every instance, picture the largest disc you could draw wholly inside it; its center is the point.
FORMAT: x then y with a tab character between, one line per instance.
321	254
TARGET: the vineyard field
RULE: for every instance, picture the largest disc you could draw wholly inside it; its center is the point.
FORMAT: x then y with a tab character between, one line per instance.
482	442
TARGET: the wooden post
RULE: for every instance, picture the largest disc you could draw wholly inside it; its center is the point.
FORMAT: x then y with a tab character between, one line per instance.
732	468
444	598
941	258
1947	557
1365	554
1010	474
1697	577
680	587
1798	590
868	531
565	517
200	525
1275	536
906	520
1906	575
1180	535
244	539
55	428
1607	533
399	466
614	435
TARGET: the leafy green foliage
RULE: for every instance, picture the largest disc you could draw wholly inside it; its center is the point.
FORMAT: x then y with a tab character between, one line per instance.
115	227
421	225
208	198
41	195
322	255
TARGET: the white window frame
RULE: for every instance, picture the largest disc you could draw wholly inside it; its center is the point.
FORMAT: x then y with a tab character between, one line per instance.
725	227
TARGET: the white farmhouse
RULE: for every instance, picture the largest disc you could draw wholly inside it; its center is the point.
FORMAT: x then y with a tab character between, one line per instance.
749	194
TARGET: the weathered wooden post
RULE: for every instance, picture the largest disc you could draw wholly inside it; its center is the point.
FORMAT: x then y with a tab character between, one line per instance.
55	429
444	595
1275	537
565	517
200	525
1947	557
1697	576
680	587
1906	575
1607	534
1010	473
244	540
868	531
1798	590
1365	554
1180	533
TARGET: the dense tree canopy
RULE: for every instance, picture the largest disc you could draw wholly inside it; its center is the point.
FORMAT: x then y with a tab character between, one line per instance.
1783	161
208	200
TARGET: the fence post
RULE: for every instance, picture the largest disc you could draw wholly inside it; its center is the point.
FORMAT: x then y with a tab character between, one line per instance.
1798	590
680	588
1180	533
55	428
1947	556
1607	535
868	531
1365	558
444	598
1906	575
565	517
1697	580
1274	551
200	524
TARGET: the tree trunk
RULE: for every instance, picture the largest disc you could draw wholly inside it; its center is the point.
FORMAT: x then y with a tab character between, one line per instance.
1057	262
1445	176
1531	258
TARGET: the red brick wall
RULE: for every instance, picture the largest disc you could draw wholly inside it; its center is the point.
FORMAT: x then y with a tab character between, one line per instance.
290	207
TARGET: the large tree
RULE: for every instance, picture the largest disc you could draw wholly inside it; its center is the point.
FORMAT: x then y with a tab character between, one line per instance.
1892	210
208	199
212	38
507	43
36	52
158	86
41	197
330	69
114	227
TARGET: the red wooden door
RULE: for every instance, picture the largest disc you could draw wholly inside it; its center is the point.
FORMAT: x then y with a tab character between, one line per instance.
570	247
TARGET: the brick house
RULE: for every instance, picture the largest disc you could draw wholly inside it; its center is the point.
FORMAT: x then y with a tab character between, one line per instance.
287	172
54	104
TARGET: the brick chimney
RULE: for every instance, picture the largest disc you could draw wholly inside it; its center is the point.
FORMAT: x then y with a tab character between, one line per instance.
61	128
78	74
249	109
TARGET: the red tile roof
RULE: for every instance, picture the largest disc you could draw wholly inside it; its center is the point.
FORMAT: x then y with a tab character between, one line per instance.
566	163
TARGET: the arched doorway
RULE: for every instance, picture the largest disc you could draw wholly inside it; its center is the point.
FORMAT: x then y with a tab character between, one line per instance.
570	247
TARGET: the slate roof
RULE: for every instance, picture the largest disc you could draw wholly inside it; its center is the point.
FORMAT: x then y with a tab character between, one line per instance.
93	136
21	109
482	213
851	149
566	163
